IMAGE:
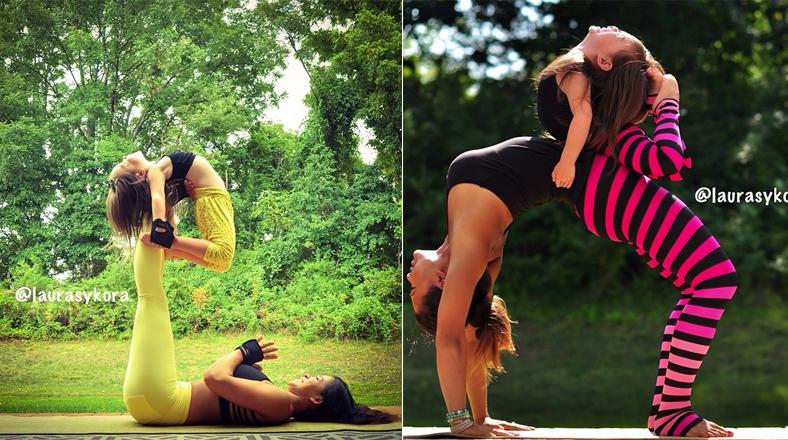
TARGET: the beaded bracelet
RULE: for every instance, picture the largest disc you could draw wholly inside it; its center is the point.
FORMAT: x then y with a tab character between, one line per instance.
459	425
459	420
460	413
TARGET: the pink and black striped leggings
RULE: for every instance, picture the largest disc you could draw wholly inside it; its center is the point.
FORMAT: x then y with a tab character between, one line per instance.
628	207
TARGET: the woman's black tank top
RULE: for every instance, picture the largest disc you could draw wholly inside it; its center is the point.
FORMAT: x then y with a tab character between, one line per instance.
238	415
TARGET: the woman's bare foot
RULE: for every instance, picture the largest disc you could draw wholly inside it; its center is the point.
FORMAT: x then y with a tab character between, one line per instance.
708	428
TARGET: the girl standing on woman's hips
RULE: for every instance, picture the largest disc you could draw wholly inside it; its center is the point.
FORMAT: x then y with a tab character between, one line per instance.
140	188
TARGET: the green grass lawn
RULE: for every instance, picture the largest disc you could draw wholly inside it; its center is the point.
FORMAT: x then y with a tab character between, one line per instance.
87	375
594	364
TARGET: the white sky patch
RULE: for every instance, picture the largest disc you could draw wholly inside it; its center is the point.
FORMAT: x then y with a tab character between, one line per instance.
236	136
365	134
291	110
502	62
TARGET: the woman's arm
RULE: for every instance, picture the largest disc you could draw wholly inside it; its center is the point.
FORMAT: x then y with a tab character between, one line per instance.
476	386
259	396
476	376
466	266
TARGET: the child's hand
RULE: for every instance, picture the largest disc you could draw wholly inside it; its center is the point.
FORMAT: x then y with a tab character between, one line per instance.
669	89
654	80
145	239
563	174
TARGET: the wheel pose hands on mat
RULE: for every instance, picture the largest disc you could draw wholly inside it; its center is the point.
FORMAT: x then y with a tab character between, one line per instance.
137	190
233	390
452	286
607	59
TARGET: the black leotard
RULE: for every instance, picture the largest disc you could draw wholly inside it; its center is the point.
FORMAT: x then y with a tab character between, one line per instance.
517	171
234	414
553	109
181	163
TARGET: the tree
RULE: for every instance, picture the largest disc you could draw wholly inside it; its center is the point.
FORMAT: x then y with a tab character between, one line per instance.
103	79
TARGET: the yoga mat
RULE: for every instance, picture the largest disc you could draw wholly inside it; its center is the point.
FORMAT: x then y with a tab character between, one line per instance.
124	423
333	435
601	433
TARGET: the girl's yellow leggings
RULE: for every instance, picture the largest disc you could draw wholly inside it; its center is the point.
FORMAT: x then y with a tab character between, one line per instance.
214	217
152	394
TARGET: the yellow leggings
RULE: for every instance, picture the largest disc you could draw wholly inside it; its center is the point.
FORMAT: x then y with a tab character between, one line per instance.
151	392
215	220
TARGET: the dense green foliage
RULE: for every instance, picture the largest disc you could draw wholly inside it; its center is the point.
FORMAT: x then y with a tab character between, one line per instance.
467	84
318	229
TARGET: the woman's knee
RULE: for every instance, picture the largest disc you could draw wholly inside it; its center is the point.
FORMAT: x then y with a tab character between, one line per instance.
723	280
734	280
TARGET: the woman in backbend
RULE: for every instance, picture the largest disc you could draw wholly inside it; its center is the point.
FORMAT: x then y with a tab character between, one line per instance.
488	188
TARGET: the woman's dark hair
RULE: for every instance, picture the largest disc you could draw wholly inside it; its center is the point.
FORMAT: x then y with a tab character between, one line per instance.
489	316
618	96
338	406
129	204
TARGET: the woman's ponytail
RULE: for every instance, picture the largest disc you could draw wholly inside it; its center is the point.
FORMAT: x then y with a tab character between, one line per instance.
364	415
494	336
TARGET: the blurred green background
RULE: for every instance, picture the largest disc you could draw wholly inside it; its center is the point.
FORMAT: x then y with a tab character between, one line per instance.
317	206
590	311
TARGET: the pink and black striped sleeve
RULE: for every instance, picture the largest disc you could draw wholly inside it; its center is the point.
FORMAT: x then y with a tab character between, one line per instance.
663	156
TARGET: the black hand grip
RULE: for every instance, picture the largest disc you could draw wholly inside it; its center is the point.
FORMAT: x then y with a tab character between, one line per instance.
251	351
162	238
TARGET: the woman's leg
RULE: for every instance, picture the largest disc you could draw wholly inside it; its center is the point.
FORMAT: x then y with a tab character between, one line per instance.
667	334
624	206
151	391
215	219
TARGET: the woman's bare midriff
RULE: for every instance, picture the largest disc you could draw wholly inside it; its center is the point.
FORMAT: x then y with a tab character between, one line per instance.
203	175
471	202
204	406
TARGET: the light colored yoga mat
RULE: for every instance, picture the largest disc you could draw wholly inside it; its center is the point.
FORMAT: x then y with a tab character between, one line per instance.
124	423
601	433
